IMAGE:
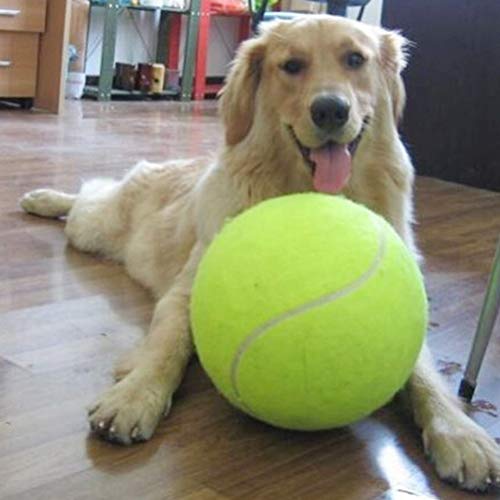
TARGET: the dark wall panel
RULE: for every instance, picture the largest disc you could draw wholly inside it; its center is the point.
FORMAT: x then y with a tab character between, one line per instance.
452	119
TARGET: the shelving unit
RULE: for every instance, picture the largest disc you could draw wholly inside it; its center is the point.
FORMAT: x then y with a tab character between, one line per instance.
104	90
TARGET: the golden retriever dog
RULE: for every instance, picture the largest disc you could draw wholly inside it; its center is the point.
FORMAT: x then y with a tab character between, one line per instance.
310	104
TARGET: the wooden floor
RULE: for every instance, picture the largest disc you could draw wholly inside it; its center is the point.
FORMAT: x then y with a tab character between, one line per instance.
64	318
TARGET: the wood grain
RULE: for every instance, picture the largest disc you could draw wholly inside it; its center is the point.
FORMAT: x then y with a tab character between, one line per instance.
29	15
52	61
65	317
20	51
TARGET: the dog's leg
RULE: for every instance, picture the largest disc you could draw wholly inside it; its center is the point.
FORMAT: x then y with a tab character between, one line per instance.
96	221
131	409
460	449
47	203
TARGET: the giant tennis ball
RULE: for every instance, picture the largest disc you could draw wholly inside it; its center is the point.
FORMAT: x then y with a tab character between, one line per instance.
308	311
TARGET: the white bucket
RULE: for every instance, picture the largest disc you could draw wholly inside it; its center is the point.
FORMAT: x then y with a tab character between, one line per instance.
75	82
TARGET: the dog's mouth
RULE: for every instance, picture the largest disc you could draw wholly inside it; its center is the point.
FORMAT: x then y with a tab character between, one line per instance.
330	163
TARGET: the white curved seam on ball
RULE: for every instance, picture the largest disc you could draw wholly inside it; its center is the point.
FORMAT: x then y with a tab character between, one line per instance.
325	299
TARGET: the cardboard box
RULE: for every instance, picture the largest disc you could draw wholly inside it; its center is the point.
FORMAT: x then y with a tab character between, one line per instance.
300	6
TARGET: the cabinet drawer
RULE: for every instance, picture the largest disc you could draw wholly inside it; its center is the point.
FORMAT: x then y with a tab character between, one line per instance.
18	64
22	15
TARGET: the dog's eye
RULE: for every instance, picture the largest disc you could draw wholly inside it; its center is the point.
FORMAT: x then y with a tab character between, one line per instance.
354	60
293	66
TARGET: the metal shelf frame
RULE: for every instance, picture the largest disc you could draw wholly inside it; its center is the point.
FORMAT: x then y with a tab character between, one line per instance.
112	9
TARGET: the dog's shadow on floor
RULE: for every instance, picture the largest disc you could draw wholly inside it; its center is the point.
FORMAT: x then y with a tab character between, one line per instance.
116	459
109	280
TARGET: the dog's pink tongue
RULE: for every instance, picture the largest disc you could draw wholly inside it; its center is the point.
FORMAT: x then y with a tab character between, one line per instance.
333	167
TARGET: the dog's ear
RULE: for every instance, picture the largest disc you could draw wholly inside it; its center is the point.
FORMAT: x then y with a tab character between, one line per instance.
394	58
237	100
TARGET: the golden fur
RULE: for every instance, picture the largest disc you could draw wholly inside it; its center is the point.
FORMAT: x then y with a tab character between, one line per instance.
159	219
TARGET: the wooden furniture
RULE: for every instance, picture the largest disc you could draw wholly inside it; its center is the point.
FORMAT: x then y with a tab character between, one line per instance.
33	40
21	22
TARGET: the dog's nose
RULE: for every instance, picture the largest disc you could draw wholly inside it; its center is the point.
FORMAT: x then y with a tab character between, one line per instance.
329	112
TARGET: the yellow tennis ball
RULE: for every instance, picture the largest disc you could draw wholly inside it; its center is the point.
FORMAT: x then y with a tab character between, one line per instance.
308	312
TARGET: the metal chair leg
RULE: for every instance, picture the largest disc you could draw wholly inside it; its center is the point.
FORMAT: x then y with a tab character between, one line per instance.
112	9
190	50
161	46
484	330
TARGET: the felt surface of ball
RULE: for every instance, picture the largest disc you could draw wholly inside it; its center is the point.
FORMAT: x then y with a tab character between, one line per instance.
308	311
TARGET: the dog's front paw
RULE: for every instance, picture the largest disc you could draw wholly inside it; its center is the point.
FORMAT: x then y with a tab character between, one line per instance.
130	411
462	451
46	203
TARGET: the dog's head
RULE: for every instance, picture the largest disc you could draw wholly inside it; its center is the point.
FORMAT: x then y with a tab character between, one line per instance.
320	79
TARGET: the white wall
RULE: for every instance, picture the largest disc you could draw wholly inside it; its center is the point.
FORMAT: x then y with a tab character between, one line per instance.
130	47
